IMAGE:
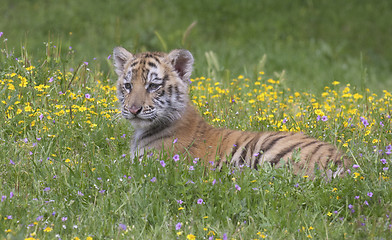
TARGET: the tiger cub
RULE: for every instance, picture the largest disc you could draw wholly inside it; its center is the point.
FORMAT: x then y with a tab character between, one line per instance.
153	94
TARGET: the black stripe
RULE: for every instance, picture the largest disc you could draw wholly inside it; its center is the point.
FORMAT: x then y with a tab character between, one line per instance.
252	143
257	160
242	157
309	144
158	138
271	143
165	78
153	65
282	153
316	149
178	95
234	150
170	90
134	64
227	135
154	57
161	93
330	153
153	131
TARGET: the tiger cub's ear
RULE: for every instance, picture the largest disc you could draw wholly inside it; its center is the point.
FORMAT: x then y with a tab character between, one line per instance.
120	58
182	61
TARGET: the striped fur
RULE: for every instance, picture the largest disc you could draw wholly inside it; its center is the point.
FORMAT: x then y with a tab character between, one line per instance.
153	95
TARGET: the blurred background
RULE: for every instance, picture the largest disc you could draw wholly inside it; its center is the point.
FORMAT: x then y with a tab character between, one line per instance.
307	44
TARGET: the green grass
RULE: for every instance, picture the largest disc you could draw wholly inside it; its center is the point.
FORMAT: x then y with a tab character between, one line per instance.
65	170
315	42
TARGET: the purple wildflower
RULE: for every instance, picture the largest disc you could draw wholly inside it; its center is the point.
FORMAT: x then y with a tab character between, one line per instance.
85	63
80	193
366	203
12	162
237	187
370	194
1	34
175	140
153	179
178	226
123	155
224	236
324	118
364	121
46	189
88	96
350	206
176	157
318	118
3	198
102	191
284	120
11	194
356	197
39	218
213	182
162	163
385	169
383	161
122	226
51	79
355	166
191	168
109	57
200	201
180	201
195	160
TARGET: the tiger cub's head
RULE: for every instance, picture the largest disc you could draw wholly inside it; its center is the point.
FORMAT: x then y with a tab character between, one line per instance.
152	87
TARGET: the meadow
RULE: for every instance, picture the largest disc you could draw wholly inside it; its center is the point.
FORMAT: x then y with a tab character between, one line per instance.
65	168
66	171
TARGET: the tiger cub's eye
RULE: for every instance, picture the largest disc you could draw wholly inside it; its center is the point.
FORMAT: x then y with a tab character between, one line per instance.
153	87
128	86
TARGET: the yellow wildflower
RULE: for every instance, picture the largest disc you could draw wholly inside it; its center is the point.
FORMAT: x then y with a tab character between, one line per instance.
191	237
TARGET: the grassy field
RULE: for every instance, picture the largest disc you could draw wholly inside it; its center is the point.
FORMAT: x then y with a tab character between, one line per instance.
314	42
65	168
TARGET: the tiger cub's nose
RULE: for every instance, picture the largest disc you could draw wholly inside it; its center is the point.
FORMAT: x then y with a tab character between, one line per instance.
135	110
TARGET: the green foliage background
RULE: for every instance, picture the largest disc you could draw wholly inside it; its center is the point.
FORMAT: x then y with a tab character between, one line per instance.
315	42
